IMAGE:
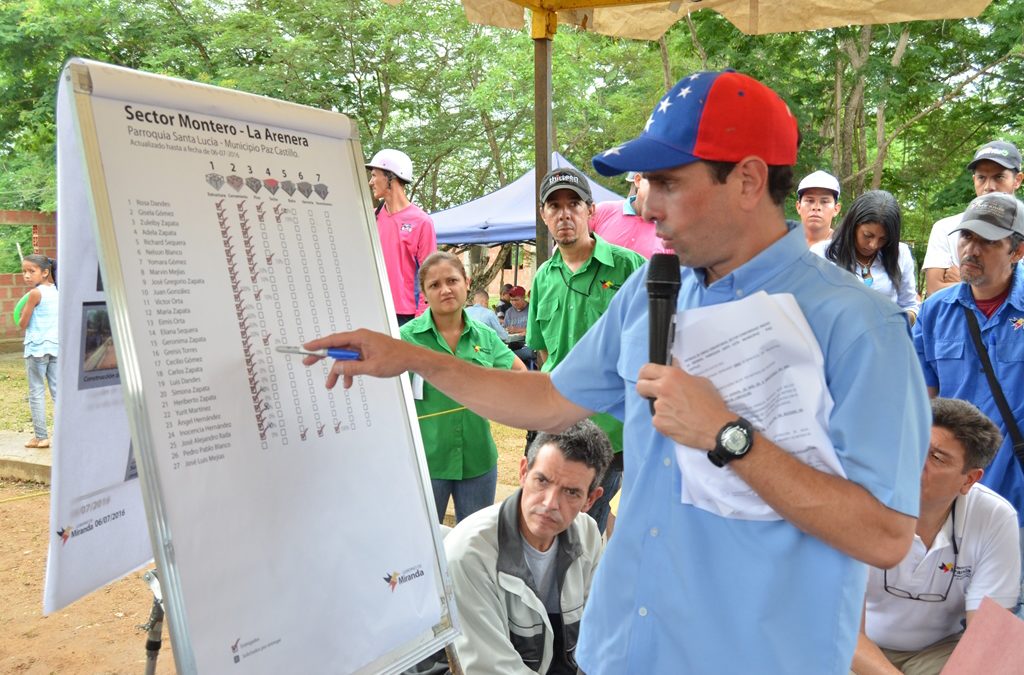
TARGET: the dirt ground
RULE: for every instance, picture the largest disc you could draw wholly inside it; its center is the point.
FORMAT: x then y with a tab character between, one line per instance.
98	634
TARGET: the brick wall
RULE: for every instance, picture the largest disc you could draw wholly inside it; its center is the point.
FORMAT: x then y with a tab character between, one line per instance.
12	286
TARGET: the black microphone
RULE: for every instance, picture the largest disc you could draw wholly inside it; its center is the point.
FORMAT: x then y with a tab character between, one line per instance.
662	293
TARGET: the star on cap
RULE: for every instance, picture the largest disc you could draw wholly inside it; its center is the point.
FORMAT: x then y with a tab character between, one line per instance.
613	151
693	77
650	121
684	92
663	106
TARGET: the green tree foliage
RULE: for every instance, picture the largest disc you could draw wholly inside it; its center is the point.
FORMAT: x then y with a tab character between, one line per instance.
899	106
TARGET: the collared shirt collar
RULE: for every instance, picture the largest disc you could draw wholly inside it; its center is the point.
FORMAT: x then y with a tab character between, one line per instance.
627	206
424	323
602	252
964	296
770	262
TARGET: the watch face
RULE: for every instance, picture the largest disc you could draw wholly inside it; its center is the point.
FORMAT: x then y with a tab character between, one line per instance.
735	440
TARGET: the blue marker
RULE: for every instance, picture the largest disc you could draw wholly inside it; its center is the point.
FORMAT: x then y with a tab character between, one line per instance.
336	354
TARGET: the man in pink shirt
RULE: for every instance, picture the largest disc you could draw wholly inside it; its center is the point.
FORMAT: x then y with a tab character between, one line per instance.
406	233
620	222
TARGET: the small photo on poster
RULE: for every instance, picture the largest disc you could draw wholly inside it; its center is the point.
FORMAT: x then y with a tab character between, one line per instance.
99	359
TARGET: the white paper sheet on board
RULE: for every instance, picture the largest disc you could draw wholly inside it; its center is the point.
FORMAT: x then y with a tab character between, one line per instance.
291	522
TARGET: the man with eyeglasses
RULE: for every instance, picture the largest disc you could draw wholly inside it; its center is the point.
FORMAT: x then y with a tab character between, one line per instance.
817	202
995	168
965	548
573	289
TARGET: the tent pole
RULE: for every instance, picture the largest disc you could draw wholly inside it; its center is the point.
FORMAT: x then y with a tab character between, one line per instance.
515	266
544	25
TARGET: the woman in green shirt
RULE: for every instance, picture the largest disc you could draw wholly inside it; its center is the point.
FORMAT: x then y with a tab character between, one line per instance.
461	455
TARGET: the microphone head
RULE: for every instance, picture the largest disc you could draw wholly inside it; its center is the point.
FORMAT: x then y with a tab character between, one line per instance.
663	275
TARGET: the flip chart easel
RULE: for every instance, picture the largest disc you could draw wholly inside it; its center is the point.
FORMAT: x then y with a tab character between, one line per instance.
291	525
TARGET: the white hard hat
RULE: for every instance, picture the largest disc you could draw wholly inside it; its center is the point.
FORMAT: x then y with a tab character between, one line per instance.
819	179
395	161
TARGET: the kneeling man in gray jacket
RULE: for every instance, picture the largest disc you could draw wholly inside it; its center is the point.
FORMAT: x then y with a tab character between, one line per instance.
522	568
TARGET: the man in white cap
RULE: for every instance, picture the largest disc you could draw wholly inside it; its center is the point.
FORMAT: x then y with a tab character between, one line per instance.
817	202
406	233
995	168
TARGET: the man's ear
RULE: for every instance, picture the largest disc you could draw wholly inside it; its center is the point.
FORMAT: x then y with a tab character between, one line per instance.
592	497
752	172
1017	254
523	469
970	478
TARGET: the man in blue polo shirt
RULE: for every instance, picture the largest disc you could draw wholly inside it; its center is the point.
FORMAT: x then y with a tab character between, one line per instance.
681	589
990	245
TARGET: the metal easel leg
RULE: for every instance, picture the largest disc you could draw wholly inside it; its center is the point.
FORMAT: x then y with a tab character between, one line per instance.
155	626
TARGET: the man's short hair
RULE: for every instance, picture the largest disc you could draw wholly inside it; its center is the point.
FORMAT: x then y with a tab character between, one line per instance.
780	179
482	293
582	442
978	435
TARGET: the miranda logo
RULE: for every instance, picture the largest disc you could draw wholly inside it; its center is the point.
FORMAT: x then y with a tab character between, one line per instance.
396	579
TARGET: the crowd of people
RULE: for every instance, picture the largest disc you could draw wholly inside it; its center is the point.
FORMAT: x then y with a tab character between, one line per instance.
875	569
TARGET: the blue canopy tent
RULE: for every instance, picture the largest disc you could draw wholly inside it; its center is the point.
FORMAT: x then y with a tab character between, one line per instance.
505	215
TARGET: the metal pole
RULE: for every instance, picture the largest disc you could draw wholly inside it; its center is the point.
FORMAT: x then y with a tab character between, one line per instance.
155	626
544	25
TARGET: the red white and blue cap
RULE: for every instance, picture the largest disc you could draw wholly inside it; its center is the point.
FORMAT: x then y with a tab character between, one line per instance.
710	116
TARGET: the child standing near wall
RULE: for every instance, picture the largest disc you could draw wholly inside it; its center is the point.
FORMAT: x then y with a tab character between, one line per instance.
39	319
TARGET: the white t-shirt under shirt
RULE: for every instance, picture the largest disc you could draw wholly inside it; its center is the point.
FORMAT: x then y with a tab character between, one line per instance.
942	244
988	564
542	567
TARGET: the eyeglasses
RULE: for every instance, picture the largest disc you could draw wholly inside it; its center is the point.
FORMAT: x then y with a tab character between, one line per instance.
928	597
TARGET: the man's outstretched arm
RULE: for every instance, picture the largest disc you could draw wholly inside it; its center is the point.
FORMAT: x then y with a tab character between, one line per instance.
527	400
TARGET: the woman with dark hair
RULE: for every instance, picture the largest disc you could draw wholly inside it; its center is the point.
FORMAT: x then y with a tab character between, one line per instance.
462	458
868	244
37	315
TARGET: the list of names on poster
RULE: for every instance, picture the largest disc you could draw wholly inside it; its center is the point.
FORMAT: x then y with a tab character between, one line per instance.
268	230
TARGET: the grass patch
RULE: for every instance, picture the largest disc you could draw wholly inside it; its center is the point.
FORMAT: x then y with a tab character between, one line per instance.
14	413
511	442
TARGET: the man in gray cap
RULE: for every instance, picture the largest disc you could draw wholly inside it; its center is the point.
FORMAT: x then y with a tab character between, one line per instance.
991	292
995	168
573	289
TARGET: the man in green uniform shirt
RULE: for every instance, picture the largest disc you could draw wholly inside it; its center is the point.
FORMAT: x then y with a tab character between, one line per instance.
573	289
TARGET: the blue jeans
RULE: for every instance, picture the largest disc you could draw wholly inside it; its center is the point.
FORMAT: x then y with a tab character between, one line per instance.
470	494
599	511
42	371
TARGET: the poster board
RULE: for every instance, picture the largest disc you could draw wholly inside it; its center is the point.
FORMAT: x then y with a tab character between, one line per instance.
291	525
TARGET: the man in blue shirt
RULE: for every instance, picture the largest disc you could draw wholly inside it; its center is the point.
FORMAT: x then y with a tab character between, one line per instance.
485	315
681	589
990	245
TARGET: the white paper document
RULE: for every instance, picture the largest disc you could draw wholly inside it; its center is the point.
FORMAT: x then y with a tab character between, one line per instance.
763	358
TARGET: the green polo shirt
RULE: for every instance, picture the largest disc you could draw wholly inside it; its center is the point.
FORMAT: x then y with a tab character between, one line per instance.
565	304
458	444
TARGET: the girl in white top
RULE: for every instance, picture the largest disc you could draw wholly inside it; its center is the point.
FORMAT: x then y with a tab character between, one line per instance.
868	244
39	320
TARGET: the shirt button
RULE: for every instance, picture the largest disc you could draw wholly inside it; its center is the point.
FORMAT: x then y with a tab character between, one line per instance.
739	292
654	532
667	461
643	611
